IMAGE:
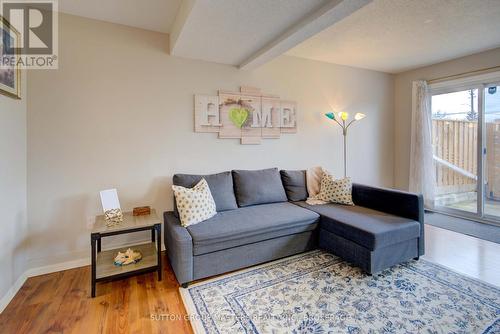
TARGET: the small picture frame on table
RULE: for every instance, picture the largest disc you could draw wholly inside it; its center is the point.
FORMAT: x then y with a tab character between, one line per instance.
111	206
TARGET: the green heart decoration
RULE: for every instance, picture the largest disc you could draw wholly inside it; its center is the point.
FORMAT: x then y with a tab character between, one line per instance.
238	116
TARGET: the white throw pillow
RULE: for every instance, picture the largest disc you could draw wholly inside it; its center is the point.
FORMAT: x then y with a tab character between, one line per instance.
313	180
194	204
336	191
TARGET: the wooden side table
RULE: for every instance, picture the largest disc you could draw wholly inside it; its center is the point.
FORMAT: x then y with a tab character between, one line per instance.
103	267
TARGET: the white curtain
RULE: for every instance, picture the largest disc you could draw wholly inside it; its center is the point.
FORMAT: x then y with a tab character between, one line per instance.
422	170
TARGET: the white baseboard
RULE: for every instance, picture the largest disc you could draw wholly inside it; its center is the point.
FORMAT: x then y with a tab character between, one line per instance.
7	297
42	270
37	272
52	268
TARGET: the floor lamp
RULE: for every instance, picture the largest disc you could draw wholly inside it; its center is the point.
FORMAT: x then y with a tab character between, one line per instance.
344	125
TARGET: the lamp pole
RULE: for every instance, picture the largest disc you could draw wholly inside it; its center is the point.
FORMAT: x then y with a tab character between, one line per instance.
344	132
343	116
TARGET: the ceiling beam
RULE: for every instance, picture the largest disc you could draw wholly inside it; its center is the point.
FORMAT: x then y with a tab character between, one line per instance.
326	16
180	20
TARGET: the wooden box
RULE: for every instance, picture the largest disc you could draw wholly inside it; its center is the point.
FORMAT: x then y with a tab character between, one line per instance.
142	211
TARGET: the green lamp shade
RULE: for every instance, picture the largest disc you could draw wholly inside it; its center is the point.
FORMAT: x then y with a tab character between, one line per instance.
330	115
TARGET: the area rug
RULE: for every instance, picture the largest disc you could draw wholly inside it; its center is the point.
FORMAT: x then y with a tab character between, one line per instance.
318	293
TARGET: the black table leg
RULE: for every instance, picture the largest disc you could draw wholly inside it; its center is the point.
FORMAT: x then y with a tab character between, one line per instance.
153	234
93	239
158	238
99	245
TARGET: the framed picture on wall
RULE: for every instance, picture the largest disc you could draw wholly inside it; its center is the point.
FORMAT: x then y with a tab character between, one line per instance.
10	76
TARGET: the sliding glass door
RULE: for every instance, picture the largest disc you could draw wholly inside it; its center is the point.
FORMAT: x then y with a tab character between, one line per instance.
492	156
466	149
455	143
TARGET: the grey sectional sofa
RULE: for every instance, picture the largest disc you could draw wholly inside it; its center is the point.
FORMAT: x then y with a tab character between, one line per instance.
262	216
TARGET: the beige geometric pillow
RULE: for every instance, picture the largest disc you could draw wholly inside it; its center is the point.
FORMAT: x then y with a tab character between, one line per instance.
194	204
336	191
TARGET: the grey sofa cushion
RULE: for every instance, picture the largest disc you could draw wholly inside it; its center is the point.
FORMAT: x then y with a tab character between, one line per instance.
250	224
221	187
258	187
294	182
366	227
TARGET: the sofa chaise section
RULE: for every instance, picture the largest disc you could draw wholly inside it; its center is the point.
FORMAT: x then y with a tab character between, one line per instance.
395	202
383	229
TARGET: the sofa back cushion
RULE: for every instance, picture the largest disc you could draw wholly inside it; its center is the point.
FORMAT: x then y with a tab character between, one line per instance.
258	187
295	184
221	188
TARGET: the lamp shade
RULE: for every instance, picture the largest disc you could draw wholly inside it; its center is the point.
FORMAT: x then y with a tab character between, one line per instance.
359	116
343	115
330	115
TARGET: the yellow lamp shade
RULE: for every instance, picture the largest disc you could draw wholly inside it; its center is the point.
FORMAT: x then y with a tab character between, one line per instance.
343	115
359	116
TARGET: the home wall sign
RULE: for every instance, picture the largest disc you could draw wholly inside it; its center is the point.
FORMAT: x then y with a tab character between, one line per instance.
248	115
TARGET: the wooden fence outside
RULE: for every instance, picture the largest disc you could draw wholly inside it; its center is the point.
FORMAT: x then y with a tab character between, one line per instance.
493	160
455	142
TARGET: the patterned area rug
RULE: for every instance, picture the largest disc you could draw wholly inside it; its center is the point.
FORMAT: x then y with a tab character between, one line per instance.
319	293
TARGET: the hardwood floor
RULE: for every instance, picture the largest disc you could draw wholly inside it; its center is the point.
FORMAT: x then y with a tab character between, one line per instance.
61	303
465	254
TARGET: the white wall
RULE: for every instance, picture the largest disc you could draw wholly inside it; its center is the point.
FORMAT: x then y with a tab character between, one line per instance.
402	102
119	113
13	222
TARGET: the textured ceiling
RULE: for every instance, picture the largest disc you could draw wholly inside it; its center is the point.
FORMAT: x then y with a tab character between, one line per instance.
398	35
155	15
384	35
229	31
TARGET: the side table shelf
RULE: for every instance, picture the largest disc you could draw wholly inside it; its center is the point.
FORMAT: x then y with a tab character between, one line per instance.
105	268
102	262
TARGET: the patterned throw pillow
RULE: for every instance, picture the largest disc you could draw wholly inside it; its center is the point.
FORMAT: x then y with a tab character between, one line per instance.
336	191
194	204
